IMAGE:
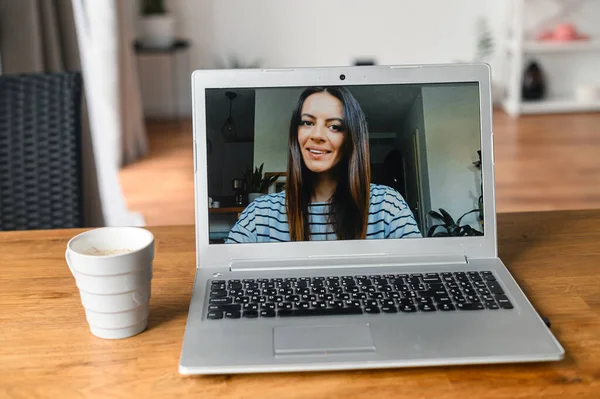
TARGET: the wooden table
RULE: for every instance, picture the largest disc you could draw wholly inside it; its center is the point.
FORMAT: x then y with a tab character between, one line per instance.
46	349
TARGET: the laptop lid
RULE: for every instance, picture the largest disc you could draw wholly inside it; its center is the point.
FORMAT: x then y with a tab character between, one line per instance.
422	133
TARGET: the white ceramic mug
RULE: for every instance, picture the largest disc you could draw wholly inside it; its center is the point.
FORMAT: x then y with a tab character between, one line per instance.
112	267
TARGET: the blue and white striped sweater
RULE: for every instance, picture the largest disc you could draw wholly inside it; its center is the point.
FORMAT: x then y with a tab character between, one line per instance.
265	219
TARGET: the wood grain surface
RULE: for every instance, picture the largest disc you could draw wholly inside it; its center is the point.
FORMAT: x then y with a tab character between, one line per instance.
47	351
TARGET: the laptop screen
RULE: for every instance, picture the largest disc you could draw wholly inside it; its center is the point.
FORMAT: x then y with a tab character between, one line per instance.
349	162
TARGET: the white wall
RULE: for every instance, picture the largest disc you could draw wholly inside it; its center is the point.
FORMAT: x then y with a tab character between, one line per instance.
451	114
283	33
271	126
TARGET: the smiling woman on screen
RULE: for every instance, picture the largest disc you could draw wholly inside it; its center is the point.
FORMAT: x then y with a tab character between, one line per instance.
328	193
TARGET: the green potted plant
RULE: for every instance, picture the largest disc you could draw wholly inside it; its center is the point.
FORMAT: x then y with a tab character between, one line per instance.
256	183
452	228
157	26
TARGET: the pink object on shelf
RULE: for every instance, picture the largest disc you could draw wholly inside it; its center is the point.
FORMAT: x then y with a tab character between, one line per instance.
564	32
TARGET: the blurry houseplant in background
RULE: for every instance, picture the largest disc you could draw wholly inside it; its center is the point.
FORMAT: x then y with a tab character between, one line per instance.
256	184
452	228
157	26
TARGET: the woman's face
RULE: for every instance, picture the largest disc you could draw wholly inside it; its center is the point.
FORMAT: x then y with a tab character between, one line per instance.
321	132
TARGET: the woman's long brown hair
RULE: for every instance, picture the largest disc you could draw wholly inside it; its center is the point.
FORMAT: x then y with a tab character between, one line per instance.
350	202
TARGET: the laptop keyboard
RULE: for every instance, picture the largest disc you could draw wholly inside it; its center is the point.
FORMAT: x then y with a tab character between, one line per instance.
355	295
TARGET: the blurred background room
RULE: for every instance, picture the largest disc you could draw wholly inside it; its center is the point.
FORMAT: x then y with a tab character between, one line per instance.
128	134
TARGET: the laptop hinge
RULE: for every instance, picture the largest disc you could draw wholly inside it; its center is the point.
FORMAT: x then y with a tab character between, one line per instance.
343	261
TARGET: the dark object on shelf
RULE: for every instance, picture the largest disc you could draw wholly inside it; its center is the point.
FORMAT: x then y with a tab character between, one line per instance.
534	83
364	61
177	45
238	191
40	151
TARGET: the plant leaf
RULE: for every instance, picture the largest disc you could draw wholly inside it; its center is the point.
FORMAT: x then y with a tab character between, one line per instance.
432	229
447	218
460	218
442	234
470	231
436	215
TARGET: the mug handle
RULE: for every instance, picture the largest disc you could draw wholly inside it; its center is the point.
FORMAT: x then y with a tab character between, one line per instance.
68	262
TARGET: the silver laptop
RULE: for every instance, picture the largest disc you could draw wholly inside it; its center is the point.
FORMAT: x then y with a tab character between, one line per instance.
345	219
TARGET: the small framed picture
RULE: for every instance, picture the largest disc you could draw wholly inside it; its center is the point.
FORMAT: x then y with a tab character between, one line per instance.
279	184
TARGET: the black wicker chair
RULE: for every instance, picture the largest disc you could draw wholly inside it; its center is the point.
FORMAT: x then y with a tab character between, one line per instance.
40	151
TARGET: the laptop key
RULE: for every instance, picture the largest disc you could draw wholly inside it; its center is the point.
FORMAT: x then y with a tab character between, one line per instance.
308	298
250	306
442	299
267	313
320	312
425	301
469	306
371	304
405	302
372	309
488	298
258	299
218	293
220	301
492	305
215	314
302	284
503	302
389	309
353	303
285	305
250	314
267	306
495	288
445	307
232	314
388	302
408	308
325	297
218	282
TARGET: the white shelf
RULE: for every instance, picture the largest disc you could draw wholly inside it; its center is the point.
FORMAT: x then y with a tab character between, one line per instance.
558	105
558	47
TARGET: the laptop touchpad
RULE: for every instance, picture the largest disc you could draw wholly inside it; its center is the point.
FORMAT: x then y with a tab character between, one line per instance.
321	340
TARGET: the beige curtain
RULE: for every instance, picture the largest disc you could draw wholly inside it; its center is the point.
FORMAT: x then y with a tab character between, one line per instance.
42	36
